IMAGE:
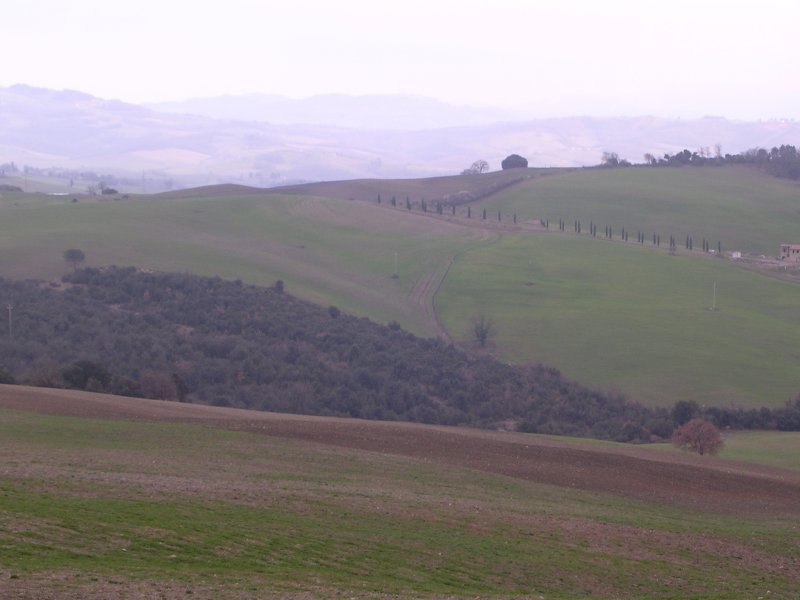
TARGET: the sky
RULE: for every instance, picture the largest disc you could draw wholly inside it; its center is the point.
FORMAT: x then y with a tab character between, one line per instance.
685	59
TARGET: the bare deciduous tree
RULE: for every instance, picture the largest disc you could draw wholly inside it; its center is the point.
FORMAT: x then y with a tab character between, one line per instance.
476	168
698	435
483	328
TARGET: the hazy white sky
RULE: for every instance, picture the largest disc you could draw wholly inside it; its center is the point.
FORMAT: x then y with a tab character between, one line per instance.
674	58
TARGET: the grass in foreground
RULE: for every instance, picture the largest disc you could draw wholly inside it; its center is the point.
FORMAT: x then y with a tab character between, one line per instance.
145	506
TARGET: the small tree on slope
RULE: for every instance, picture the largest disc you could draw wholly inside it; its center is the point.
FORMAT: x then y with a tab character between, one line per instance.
698	436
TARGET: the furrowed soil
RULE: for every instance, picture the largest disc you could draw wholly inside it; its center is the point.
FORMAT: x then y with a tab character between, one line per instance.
517	515
679	480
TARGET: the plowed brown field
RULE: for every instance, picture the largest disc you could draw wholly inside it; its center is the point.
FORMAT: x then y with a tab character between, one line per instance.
705	483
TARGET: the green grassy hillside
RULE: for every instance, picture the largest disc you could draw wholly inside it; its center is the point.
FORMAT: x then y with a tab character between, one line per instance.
609	315
328	251
98	507
744	208
632	319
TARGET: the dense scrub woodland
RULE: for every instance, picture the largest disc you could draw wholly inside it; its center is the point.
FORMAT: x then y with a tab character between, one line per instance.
187	338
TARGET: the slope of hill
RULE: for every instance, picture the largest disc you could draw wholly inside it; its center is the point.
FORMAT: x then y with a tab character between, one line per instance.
743	207
327	251
345	253
632	319
132	498
184	337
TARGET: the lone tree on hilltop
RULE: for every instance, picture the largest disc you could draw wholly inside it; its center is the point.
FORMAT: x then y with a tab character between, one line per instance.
74	256
476	168
698	436
609	159
612	159
514	161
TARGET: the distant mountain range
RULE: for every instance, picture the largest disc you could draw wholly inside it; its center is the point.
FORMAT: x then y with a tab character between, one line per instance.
277	140
386	112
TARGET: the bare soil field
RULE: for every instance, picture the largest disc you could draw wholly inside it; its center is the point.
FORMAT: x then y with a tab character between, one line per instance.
680	480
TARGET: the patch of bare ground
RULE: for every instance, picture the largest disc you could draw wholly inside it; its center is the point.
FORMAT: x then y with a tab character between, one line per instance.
687	481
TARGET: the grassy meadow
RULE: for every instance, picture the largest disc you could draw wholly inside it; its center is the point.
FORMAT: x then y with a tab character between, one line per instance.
632	319
99	508
742	207
774	448
327	251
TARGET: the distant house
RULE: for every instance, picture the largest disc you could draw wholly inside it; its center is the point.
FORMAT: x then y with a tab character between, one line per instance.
790	252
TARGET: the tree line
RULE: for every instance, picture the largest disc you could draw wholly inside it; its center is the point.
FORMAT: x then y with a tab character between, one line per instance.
642	238
780	161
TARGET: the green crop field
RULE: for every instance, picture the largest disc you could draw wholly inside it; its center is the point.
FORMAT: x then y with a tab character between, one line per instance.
95	508
769	448
775	448
742	207
632	319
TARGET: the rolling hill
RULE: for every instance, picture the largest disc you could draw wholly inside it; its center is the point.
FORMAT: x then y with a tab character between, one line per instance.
744	208
612	315
631	319
124	497
325	250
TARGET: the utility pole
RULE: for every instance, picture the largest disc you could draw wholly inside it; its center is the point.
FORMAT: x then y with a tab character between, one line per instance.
10	307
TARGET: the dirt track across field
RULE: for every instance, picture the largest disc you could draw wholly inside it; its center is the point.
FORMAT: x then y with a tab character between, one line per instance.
703	483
